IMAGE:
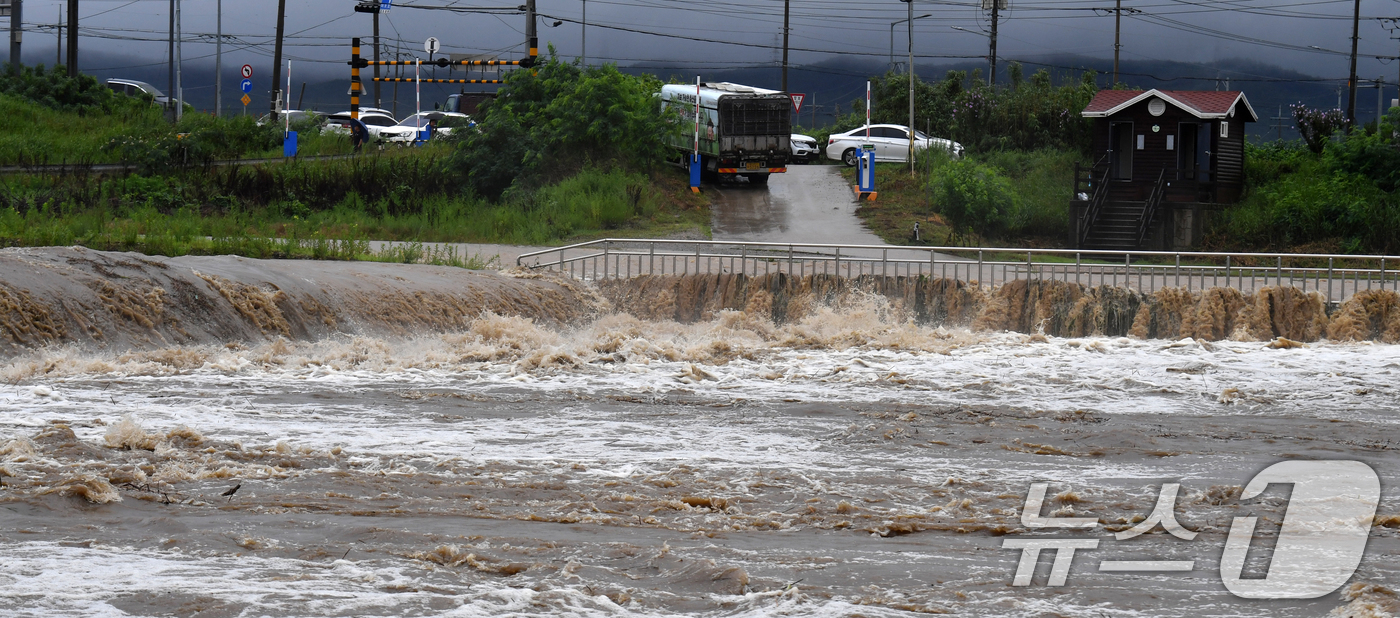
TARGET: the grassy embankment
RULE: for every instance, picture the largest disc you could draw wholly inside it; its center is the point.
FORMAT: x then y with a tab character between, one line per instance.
177	203
32	134
1037	216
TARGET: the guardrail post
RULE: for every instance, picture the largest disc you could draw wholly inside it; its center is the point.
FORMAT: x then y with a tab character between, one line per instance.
744	260
1028	266
1227	271
932	261
790	260
979	269
1329	280
1382	273
1278	276
651	258
885	263
697	261
1178	269
838	261
1077	257
606	247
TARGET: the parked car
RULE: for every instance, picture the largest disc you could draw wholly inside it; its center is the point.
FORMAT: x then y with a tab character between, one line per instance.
374	121
133	88
408	129
804	148
891	142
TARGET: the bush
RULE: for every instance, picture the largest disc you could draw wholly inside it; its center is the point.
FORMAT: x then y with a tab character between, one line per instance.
54	89
550	122
973	198
1295	197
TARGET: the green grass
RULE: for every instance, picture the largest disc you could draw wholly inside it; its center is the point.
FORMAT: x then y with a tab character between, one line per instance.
31	134
1042	180
205	215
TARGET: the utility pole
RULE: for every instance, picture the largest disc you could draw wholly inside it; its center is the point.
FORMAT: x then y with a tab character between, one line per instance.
58	48
1117	31
277	56
531	35
585	33
911	87
992	55
72	37
1351	80
170	54
786	10
219	59
16	34
376	59
179	63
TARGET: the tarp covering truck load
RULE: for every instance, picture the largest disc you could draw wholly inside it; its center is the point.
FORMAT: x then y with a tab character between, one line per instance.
744	131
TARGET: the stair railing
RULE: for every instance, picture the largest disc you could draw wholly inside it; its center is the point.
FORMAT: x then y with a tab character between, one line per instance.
1091	214
1149	210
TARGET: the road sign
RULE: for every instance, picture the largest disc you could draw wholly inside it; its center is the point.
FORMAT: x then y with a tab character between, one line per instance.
797	102
247	71
432	45
386	5
247	85
246	100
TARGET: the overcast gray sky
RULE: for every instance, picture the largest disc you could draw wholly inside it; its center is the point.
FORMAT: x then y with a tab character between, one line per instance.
1201	31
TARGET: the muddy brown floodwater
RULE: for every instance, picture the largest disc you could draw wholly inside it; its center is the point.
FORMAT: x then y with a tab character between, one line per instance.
667	446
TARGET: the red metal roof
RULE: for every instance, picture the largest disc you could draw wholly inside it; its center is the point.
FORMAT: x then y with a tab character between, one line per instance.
1201	103
1109	99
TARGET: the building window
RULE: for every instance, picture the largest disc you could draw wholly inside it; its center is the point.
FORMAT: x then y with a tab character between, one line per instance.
1142	142
1224	128
1171	142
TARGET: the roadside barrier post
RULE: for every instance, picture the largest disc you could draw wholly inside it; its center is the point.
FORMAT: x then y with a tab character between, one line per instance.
865	175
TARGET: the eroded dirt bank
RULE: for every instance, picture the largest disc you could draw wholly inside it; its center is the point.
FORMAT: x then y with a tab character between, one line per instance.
123	301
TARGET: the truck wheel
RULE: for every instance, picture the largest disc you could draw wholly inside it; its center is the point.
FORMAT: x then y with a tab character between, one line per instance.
849	157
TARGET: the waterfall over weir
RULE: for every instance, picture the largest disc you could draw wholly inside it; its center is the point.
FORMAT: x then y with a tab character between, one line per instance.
120	301
1049	307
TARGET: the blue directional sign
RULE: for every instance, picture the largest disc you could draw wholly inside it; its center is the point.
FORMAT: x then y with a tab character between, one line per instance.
247	85
385	5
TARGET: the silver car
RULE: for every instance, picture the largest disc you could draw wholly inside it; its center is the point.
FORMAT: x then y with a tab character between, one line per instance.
891	143
804	148
133	88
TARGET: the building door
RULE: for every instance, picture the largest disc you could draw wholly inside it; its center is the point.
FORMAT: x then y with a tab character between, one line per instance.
1121	153
1193	157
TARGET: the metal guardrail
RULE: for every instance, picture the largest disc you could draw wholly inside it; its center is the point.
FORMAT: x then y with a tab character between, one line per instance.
1336	277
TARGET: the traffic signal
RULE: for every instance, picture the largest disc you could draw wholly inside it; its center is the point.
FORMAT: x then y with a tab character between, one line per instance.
367	7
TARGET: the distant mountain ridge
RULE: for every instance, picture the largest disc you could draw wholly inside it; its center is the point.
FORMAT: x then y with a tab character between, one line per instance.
834	81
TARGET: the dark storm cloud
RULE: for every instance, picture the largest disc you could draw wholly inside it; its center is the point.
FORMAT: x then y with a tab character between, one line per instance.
1197	31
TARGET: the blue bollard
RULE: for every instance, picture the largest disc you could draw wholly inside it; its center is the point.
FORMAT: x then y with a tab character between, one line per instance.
289	145
695	173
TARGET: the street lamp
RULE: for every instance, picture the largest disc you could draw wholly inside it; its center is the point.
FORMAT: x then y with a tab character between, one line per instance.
990	61
911	83
892	25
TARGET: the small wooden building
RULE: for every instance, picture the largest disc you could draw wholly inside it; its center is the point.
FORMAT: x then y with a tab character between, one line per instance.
1157	153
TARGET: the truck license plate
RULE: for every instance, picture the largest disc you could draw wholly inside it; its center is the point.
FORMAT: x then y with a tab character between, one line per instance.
753	165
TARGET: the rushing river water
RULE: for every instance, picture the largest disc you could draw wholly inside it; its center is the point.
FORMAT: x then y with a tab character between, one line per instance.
847	462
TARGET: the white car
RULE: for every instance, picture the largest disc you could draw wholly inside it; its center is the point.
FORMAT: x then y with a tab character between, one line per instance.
891	142
408	129
374	121
804	148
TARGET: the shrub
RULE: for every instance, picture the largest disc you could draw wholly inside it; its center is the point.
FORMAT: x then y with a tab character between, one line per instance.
551	121
1317	125
54	89
973	198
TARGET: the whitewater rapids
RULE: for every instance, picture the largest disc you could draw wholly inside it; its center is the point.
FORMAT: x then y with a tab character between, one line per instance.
651	448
